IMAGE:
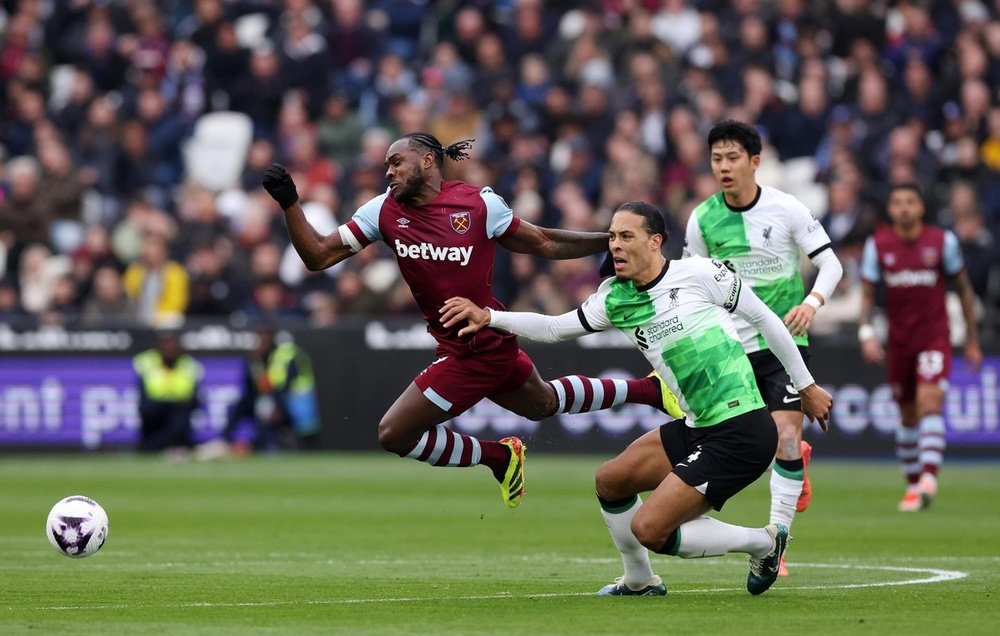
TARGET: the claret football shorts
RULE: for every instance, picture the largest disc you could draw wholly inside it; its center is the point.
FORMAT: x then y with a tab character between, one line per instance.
909	366
456	384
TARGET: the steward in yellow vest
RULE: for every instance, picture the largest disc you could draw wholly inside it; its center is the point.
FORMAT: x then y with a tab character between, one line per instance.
169	380
278	407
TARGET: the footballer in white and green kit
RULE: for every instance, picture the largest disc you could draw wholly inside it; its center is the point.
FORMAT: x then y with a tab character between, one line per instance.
762	233
681	324
678	314
763	243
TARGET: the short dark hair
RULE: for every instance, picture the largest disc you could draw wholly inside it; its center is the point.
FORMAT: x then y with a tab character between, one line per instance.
742	133
653	221
429	143
908	185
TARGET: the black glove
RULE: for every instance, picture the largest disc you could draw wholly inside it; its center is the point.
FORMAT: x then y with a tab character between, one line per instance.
607	267
280	186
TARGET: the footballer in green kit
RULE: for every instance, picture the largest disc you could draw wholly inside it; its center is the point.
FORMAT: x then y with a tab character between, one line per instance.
679	315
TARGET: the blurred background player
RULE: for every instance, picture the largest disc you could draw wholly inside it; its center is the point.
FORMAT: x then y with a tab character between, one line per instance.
444	236
912	261
169	381
277	407
678	314
762	232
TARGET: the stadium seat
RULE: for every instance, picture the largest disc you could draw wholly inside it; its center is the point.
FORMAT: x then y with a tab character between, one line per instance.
216	152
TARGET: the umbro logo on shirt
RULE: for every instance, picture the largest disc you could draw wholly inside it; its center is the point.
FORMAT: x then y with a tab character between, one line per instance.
403	222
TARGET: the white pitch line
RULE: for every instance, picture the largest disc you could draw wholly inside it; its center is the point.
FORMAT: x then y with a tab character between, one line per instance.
935	576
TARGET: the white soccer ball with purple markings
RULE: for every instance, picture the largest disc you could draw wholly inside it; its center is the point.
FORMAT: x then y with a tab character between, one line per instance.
77	526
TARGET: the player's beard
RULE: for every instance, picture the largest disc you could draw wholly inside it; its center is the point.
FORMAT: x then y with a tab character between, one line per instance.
408	190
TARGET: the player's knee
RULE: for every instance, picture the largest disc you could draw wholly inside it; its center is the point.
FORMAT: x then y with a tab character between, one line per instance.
608	482
929	409
389	438
649	531
545	406
929	403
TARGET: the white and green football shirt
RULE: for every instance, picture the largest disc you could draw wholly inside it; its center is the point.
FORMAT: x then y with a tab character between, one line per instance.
763	242
681	322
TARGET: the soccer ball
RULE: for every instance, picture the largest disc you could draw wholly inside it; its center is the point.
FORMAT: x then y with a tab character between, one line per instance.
77	526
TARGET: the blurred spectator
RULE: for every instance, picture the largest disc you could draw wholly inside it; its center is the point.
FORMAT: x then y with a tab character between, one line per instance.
25	216
169	382
184	84
225	62
400	23
164	130
351	41
216	288
560	96
848	220
12	312
107	305
63	308
277	407
157	285
804	126
339	130
270	301
201	222
979	247
39	272
63	195
303	59
324	310
260	92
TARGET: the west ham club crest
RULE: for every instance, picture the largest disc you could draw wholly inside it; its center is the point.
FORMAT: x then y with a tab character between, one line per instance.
461	221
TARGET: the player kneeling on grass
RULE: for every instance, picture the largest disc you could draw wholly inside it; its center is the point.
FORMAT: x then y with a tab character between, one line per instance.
678	314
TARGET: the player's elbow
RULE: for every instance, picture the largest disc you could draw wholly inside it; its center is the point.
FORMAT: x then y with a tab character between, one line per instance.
314	264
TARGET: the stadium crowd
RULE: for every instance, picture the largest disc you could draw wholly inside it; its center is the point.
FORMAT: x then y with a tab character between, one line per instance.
115	211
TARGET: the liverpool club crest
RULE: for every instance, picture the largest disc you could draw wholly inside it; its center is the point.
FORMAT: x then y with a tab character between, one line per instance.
461	221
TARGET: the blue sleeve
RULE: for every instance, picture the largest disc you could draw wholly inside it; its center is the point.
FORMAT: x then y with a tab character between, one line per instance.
870	270
952	257
367	218
499	216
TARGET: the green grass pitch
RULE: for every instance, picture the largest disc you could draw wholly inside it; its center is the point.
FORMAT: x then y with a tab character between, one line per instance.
373	544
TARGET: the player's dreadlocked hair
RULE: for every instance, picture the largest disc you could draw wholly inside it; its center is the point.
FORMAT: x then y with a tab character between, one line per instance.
427	141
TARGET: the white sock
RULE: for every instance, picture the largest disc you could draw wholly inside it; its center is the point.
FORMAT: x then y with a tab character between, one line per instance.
705	537
785	493
635	557
931	442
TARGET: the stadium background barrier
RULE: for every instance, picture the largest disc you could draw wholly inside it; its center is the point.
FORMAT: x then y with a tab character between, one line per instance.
75	390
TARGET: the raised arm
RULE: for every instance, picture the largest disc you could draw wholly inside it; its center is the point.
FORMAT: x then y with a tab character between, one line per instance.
554	244
316	250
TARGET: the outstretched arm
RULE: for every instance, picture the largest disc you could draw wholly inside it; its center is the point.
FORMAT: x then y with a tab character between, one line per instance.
316	250
973	354
538	327
554	244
